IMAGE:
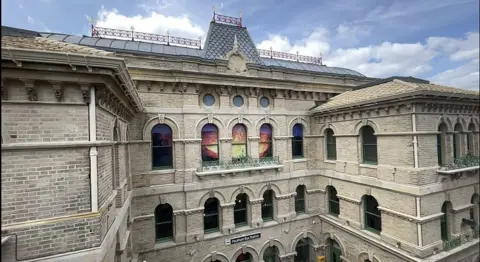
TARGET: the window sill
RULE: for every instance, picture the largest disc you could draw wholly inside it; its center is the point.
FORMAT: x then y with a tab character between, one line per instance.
238	170
162	171
162	244
269	223
371	166
210	235
455	171
330	161
299	160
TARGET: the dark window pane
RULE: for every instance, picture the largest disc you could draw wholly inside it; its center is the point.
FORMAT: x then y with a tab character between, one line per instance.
163	222
303	251
162	157
210	222
267	205
240	217
370	153
208	100
439	149
264	102
297	148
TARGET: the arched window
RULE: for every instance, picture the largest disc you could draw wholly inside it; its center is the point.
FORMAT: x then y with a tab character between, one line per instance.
265	148
239	142
333	201
162	153
475	210
373	219
209	143
244	257
271	254
300	199
457	141
211	215
334	250
441	143
297	141
444	220
163	222
331	142
240	214
369	145
267	205
470	139
304	250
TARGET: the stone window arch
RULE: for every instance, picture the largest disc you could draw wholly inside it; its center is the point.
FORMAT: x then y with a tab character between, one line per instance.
211	215
297	141
210	143
240	210
239	142
445	221
457	143
271	254
163	223
475	210
300	199
265	144
333	201
369	145
471	139
162	147
372	215
441	144
268	205
330	144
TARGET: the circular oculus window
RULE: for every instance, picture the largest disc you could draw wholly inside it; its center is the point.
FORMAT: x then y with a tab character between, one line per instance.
264	102
208	100
238	101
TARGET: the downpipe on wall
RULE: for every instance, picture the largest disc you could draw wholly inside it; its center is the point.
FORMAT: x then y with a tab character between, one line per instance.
92	123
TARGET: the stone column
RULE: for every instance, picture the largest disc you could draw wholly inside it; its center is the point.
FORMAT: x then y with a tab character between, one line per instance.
256	212
180	221
228	225
253	146
193	158
143	229
225	147
285	209
194	219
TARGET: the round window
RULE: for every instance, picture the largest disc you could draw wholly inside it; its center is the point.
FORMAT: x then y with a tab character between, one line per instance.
238	101
264	102
208	100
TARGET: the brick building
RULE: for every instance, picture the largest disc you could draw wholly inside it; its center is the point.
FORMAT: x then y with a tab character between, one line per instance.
121	150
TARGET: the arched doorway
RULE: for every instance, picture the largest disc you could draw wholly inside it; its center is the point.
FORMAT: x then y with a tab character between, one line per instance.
271	254
244	257
334	251
304	251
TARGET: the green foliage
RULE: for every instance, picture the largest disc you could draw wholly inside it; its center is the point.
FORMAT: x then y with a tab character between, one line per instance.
464	161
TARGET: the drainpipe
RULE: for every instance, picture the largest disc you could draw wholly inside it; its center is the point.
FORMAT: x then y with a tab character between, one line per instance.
415	141
419	226
92	119
415	160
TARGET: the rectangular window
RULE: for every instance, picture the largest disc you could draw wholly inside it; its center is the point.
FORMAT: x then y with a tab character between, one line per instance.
297	148
334	207
439	149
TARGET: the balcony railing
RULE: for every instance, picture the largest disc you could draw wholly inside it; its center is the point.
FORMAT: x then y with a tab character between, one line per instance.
464	162
247	162
451	244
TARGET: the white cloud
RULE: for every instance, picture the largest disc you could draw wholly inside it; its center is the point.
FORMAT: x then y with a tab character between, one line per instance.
155	22
465	76
313	45
389	59
30	20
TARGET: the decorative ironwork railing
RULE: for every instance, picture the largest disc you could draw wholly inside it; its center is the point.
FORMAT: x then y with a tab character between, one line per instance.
227	19
451	244
238	163
164	39
464	161
288	56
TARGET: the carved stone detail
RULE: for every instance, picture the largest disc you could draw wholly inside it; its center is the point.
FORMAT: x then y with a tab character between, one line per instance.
4	91
30	86
57	90
161	118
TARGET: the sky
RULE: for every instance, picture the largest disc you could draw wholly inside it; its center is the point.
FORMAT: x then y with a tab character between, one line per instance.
437	40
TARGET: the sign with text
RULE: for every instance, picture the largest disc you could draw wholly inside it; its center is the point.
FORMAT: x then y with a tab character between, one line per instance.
240	239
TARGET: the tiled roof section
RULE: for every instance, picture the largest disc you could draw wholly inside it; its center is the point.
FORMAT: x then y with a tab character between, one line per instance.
220	41
309	67
385	91
12	31
45	44
127	46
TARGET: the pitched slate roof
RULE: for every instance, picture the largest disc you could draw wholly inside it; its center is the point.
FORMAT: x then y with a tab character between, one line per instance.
389	90
309	67
45	44
220	39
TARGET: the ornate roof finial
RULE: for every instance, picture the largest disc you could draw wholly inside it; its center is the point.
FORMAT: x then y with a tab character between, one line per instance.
213	8
235	44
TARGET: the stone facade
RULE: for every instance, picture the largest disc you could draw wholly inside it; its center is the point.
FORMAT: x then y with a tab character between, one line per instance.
79	182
